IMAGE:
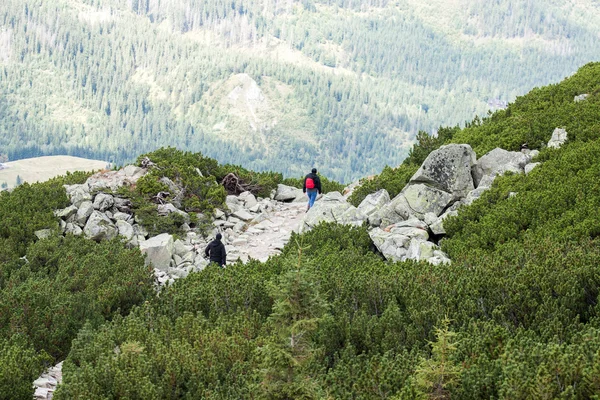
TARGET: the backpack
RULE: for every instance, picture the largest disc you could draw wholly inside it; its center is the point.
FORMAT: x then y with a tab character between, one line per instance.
310	183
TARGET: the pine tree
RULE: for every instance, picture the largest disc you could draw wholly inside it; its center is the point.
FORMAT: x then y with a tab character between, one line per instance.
436	375
287	357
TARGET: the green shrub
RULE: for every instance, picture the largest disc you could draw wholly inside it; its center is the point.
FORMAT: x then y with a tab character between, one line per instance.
20	365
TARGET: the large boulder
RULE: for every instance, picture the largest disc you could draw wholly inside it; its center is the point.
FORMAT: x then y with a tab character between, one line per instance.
158	251
103	202
288	193
100	227
497	162
423	199
449	169
352	216
374	202
559	137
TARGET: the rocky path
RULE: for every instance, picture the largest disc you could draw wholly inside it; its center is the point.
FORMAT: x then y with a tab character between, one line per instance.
267	238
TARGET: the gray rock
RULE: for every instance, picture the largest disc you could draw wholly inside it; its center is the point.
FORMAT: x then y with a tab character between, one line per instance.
121	216
559	137
99	227
255	208
423	199
103	201
243	215
497	162
158	251
329	209
73	229
530	167
139	230
374	202
125	229
395	211
420	250
581	97
43	233
287	193
352	216
219	214
132	171
437	227
66	213
80	195
249	199
391	245
233	203
123	205
449	169
180	248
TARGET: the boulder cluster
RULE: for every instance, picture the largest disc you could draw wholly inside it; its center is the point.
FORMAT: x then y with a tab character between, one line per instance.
408	226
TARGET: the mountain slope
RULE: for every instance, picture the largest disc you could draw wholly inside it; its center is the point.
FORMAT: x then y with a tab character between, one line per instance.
343	85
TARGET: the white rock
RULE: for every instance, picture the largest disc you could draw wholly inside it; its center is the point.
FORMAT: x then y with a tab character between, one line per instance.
158	251
243	215
100	227
125	229
498	162
530	167
559	137
103	202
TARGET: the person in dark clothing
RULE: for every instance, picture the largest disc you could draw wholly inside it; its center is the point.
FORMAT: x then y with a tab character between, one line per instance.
312	187
216	251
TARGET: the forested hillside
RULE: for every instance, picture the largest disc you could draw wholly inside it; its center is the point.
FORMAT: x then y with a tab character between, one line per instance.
276	85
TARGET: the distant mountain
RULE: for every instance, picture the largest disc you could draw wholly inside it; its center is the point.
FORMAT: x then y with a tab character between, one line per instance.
280	85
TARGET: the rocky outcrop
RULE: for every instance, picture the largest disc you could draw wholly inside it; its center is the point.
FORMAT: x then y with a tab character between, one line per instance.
559	137
448	169
581	97
498	162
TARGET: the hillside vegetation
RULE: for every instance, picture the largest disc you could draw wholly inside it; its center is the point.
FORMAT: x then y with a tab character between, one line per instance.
343	85
515	316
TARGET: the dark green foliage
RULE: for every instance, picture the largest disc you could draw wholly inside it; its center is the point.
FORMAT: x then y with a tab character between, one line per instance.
47	296
391	179
66	282
29	208
191	171
20	365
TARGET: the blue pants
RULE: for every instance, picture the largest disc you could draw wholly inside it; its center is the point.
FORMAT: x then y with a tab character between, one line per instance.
312	196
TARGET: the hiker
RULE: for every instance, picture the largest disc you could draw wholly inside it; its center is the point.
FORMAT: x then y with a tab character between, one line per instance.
216	250
312	187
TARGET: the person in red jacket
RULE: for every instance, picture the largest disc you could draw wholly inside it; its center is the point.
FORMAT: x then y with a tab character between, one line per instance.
312	187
